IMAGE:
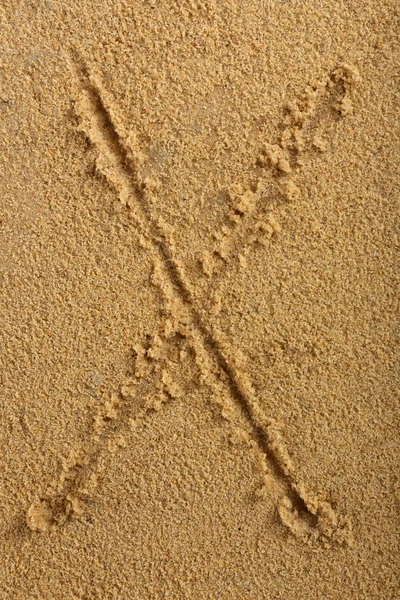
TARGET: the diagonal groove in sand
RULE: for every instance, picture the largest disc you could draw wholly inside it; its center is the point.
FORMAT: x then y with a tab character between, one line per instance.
154	232
116	161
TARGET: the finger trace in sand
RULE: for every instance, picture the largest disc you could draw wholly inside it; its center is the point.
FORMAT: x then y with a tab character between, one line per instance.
254	216
304	512
150	386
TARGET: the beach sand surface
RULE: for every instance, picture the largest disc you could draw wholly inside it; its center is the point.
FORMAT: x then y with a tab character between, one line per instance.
199	277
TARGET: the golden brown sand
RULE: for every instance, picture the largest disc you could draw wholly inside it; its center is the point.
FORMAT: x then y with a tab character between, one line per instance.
199	227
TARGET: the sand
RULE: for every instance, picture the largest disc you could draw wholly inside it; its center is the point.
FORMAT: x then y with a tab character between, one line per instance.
199	299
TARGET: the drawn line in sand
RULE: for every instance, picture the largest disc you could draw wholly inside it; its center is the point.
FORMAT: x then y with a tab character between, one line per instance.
304	512
254	217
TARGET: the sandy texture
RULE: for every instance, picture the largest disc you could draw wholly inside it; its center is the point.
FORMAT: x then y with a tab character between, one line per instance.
199	295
